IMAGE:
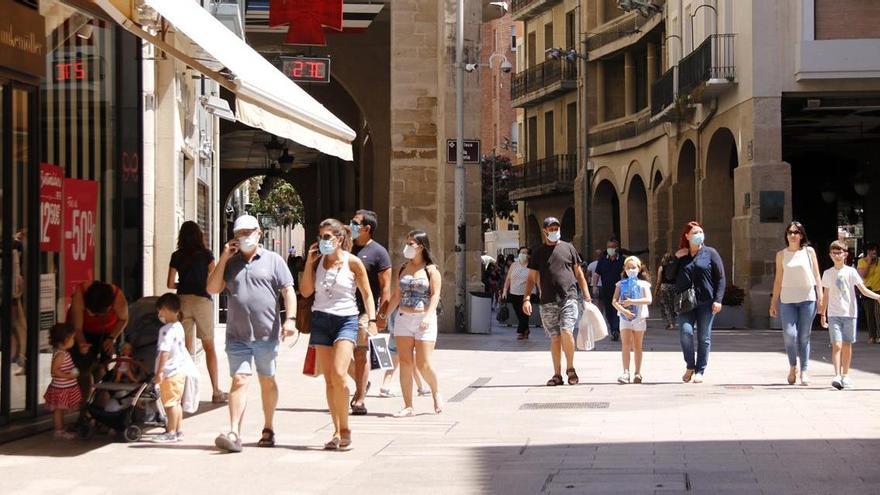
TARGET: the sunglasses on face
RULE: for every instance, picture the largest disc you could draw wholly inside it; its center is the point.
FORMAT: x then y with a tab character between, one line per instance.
326	237
793	232
837	253
356	223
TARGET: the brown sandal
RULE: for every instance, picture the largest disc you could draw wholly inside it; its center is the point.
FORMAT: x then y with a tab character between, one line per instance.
572	376
267	438
344	440
556	380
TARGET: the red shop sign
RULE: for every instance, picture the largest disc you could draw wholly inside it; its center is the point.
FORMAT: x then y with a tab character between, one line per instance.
80	215
51	205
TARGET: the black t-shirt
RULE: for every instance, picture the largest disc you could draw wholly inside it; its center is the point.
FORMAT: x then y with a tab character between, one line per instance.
192	272
556	267
376	260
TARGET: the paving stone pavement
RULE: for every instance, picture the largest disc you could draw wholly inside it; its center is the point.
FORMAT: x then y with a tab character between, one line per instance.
743	431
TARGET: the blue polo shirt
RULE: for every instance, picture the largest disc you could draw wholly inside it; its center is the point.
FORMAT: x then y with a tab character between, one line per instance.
252	287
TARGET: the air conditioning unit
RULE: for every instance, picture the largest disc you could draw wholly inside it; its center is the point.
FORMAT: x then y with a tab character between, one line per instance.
230	13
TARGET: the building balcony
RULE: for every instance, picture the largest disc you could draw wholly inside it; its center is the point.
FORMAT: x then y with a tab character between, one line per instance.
523	10
664	96
709	70
620	129
543	82
544	177
620	33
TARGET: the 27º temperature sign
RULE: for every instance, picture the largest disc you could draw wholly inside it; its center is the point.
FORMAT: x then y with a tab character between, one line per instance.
80	216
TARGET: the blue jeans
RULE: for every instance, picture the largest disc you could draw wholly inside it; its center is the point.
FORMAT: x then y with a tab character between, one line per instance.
699	321
797	322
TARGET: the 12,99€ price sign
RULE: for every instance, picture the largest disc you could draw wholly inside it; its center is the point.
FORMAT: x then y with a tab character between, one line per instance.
80	215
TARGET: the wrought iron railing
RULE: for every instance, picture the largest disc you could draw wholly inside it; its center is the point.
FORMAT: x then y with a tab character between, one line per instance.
623	131
663	91
713	59
541	76
546	171
622	28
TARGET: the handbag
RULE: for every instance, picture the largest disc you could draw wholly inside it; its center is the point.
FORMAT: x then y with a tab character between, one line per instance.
310	364
686	301
503	313
304	309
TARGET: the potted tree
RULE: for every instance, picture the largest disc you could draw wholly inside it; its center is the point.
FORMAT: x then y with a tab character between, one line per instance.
733	314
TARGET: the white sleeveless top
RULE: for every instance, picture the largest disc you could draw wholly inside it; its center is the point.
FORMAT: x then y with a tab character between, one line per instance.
335	289
519	274
798	281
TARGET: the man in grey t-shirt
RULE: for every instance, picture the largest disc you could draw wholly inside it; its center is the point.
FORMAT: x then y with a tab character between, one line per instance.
252	277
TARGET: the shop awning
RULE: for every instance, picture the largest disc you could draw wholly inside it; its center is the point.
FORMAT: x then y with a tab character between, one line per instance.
265	97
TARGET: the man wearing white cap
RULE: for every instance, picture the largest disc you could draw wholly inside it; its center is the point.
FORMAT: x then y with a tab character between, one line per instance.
252	277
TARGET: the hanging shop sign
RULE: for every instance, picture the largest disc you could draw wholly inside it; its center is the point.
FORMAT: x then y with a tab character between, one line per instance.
80	215
22	41
51	205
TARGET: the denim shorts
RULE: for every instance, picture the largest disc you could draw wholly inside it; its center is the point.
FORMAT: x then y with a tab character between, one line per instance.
243	355
559	317
327	329
842	329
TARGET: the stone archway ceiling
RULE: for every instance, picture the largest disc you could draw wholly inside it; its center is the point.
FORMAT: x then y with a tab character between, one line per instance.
820	120
357	15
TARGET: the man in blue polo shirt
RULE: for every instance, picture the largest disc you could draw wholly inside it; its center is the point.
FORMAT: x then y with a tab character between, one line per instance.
253	278
608	271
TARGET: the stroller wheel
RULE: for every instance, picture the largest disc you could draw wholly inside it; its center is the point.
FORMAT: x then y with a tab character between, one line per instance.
132	433
85	430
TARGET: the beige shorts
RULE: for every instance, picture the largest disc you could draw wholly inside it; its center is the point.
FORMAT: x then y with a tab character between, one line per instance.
197	311
171	389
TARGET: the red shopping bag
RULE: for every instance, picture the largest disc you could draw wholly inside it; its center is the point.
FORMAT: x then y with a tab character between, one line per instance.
310	365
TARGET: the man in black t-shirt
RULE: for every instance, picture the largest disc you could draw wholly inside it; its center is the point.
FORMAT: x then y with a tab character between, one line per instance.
557	266
378	265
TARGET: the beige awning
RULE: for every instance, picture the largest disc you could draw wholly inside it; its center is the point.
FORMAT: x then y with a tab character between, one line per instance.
265	97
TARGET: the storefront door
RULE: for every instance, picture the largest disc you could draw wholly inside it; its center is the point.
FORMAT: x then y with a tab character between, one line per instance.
19	360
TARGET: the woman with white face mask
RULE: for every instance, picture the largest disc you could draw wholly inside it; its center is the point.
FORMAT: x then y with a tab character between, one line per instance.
415	327
700	275
334	325
632	296
514	289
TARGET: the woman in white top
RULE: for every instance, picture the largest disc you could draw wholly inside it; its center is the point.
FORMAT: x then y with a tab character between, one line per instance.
514	289
332	275
795	298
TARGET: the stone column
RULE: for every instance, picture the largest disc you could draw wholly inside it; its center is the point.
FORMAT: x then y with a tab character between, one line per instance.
629	84
652	68
600	92
600	12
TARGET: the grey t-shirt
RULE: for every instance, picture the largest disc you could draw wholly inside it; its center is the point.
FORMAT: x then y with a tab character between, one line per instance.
252	290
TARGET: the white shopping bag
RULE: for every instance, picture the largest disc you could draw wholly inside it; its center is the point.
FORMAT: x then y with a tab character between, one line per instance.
190	400
591	328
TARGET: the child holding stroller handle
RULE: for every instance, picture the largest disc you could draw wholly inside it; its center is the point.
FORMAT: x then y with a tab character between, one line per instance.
63	393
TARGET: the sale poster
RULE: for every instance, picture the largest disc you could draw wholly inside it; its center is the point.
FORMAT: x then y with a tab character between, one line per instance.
80	215
51	202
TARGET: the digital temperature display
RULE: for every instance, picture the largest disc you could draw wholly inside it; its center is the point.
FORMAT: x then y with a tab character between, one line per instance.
306	69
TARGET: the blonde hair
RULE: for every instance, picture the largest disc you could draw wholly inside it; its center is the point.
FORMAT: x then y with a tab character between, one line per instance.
643	269
634	259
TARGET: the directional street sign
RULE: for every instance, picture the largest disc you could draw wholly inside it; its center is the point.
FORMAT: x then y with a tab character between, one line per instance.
471	150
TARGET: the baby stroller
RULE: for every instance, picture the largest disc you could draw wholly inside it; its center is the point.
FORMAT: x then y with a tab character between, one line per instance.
129	408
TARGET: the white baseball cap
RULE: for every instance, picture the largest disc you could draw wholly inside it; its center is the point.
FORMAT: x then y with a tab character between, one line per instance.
246	222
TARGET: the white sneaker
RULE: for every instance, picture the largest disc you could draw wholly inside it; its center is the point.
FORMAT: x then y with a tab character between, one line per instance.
698	378
837	382
805	378
846	382
624	378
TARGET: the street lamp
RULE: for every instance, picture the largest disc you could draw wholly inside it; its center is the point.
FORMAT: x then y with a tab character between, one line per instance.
694	14
274	149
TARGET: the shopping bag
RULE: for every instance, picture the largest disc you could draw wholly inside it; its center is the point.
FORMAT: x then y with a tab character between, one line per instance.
310	365
190	400
380	353
591	327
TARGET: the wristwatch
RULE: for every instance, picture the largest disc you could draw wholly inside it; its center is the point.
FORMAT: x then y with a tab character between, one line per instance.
372	321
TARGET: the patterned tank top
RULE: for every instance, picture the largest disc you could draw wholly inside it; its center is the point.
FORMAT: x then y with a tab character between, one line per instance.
66	367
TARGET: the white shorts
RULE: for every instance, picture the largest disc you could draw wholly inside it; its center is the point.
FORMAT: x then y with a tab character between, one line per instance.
637	325
407	325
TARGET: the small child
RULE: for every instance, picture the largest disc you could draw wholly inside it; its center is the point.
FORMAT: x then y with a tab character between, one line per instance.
124	369
839	312
632	295
170	366
63	393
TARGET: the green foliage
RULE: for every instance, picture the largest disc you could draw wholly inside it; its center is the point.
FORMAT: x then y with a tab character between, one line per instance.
275	202
503	205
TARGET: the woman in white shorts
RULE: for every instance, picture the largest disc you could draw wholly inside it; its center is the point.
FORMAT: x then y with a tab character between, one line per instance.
632	295
415	325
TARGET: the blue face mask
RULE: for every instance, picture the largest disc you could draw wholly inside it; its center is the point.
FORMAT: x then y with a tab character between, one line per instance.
355	231
326	246
554	236
698	239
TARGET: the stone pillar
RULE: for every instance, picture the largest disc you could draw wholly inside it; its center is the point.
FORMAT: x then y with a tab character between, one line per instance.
629	84
600	12
600	91
652	68
422	119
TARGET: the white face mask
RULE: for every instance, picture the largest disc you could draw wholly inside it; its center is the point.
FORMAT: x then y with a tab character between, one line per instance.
162	319
523	258
554	236
632	272
409	252
249	243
